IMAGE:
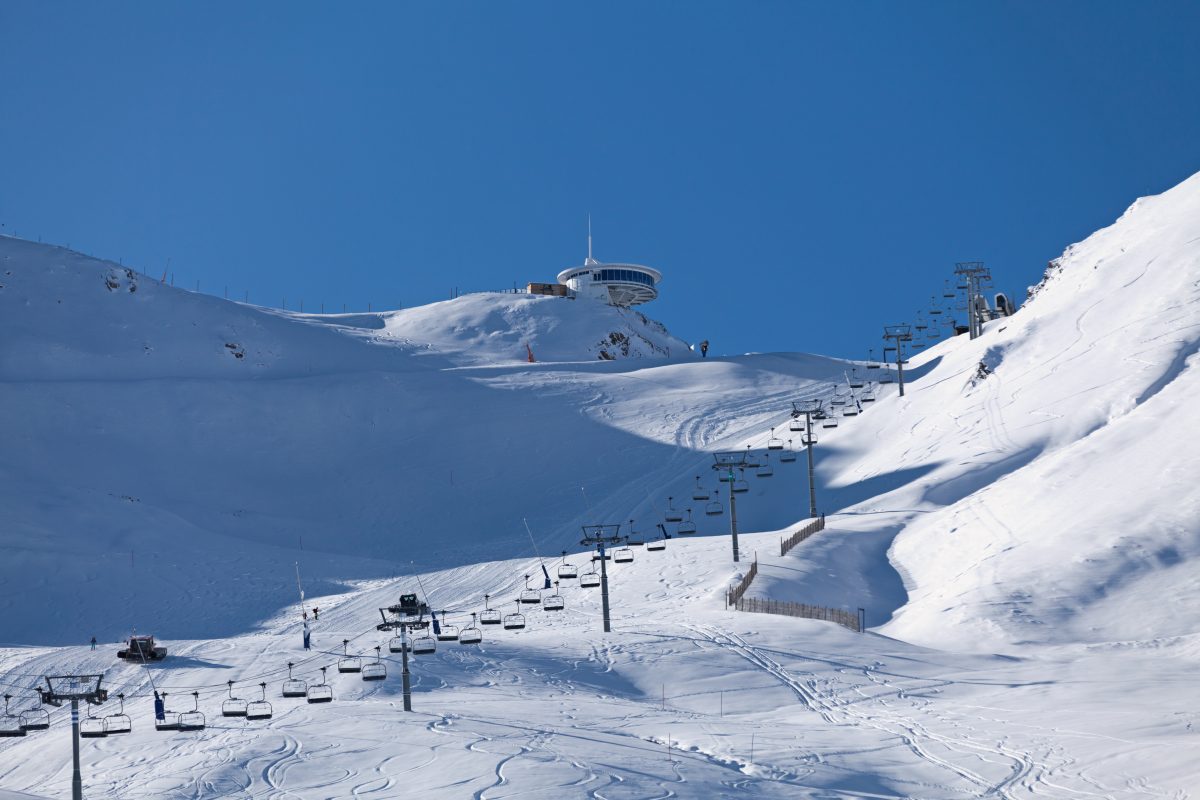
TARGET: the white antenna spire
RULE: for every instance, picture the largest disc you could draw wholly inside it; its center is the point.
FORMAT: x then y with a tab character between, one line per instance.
589	258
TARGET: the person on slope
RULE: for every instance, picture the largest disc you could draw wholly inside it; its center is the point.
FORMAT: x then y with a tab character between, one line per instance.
704	349
93	642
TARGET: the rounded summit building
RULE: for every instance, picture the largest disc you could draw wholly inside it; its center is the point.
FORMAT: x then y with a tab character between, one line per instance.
616	284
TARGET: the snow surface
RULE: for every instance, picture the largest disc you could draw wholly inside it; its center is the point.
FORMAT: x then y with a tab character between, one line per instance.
1021	543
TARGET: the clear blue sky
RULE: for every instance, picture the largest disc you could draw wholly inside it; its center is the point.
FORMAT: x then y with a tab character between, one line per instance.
801	172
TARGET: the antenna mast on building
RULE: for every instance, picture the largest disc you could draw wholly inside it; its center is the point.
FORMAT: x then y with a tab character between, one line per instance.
590	260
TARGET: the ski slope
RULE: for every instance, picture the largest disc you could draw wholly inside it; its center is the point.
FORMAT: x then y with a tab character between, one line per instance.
1020	542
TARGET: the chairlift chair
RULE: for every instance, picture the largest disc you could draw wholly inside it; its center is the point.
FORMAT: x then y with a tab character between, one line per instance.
590	579
529	596
321	692
399	644
374	670
348	663
850	411
788	455
10	723
449	632
672	514
234	706
796	425
170	720
514	621
35	719
294	687
765	470
567	571
120	722
809	439
260	708
92	727
686	528
424	645
470	634
724	477
699	493
622	555
192	720
741	484
714	509
555	601
657	544
774	443
829	422
489	615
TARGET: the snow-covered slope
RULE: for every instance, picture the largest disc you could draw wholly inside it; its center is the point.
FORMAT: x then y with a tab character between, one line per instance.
1054	500
169	455
166	453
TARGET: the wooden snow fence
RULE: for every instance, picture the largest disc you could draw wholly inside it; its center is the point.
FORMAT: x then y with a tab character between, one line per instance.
799	536
847	619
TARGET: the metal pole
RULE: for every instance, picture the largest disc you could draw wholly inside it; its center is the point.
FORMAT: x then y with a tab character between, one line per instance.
812	486
604	589
900	366
76	777
733	516
407	683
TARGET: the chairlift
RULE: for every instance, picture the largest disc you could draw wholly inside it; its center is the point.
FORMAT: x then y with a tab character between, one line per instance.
774	443
622	555
36	719
809	439
590	580
348	663
867	396
796	425
855	380
424	645
89	727
529	596
567	571
514	621
399	644
192	720
10	723
117	723
687	527
887	378
657	544
741	484
234	706
672	514
260	708
829	422
714	509
471	634
850	411
489	615
724	477
449	632
375	670
699	493
321	692
788	455
765	470
294	687
555	601
170	720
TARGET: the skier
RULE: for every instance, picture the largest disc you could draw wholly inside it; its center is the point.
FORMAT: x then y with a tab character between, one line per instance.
160	712
93	642
704	349
316	613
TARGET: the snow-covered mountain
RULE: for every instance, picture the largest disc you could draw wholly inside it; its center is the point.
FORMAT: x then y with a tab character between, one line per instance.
1019	536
